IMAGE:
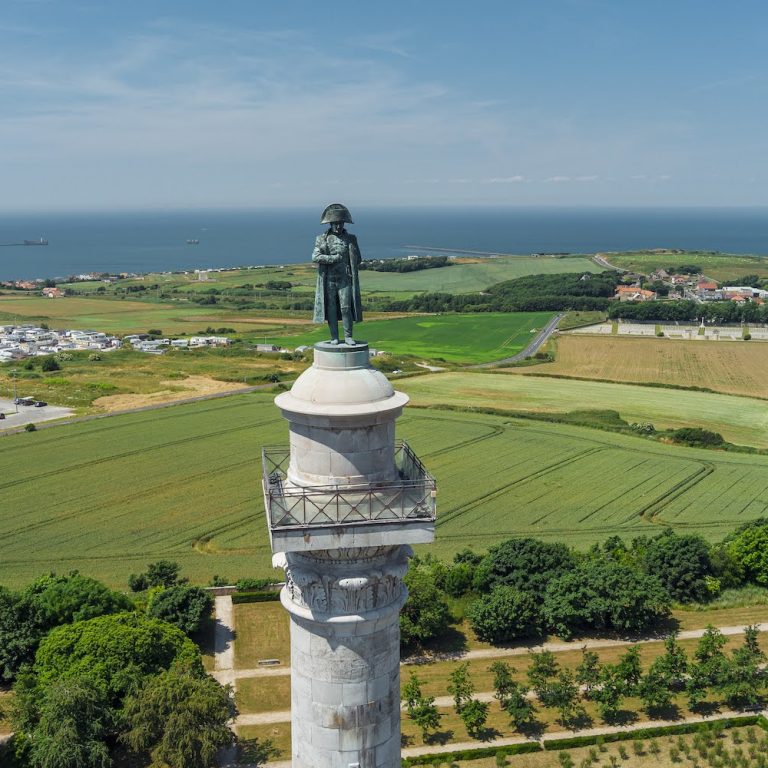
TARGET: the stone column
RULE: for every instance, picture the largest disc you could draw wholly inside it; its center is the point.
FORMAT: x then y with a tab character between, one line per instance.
345	655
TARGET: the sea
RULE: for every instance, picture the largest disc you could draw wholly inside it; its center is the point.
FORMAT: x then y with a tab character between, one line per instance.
156	241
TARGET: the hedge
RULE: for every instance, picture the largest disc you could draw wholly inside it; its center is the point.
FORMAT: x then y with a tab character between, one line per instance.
254	597
472	754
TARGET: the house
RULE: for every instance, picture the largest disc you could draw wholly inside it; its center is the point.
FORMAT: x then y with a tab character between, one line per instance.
707	290
633	293
53	293
267	348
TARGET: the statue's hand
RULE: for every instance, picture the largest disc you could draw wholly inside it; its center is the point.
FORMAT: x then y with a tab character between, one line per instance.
326	258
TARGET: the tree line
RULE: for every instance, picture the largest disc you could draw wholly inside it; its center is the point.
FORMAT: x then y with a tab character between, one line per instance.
532	293
524	588
713	312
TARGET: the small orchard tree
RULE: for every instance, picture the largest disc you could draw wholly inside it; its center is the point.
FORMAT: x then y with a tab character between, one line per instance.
461	686
630	669
653	688
519	707
503	683
588	672
474	714
563	695
542	670
421	709
608	693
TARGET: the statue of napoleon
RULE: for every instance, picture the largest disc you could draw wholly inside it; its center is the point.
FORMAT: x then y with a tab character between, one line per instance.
337	296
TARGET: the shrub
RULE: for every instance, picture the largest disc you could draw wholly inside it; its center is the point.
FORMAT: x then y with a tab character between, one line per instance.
30	427
50	364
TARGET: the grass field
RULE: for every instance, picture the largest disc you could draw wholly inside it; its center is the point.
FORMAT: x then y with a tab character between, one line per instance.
457	338
740	420
735	369
464	275
718	266
109	496
126	316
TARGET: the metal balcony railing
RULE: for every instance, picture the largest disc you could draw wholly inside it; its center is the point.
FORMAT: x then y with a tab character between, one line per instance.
412	497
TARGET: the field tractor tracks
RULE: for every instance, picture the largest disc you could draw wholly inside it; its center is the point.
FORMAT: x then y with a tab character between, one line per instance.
453	514
134	452
651	510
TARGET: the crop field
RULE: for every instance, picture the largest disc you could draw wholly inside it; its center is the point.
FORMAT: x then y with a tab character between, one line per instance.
718	266
126	316
735	369
473	338
110	495
463	276
741	420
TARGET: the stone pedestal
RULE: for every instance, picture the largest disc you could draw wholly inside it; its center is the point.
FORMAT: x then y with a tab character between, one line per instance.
343	508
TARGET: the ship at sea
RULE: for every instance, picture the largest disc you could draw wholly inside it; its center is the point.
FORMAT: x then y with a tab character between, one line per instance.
193	241
41	241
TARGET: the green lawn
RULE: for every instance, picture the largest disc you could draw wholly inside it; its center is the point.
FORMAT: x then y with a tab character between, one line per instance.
474	338
741	420
110	495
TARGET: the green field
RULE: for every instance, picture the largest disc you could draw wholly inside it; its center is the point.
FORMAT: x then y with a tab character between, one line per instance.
474	338
717	266
110	495
464	275
741	420
127	316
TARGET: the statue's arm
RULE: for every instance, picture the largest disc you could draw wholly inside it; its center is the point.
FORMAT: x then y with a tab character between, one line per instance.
320	254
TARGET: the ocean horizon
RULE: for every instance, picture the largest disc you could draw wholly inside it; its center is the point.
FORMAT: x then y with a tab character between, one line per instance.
156	241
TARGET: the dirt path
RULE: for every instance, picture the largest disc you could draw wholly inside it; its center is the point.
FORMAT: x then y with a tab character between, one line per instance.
496	653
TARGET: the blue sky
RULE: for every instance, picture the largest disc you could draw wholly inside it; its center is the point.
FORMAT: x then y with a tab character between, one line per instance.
247	103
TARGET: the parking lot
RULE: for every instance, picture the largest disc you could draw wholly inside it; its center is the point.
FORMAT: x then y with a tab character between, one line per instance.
29	414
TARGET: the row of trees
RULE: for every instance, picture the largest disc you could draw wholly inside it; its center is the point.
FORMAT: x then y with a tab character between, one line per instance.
524	294
714	312
97	674
710	676
527	587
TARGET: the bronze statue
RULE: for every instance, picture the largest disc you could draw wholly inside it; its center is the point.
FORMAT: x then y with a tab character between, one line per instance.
337	296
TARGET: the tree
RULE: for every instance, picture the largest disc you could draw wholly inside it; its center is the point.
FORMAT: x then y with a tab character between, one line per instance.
519	707
503	684
653	688
526	564
458	580
116	652
630	669
600	594
420	709
563	695
474	714
183	606
461	686
673	664
425	614
163	573
609	692
72	727
180	716
506	614
748	547
542	670
741	679
49	601
588	671
682	564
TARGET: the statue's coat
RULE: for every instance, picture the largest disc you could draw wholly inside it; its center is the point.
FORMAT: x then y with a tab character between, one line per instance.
322	250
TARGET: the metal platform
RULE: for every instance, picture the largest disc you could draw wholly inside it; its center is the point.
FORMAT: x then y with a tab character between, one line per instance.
333	516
